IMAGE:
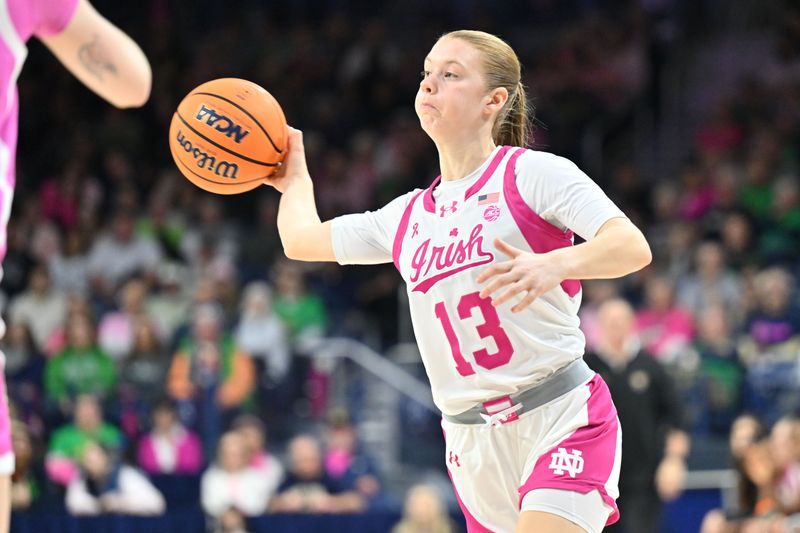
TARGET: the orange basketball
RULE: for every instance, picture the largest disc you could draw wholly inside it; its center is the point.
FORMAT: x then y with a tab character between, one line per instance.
228	135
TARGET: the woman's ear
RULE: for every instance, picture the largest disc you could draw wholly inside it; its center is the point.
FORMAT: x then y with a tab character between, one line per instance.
496	99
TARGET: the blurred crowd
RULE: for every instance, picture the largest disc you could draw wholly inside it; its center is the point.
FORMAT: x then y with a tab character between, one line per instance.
766	463
150	324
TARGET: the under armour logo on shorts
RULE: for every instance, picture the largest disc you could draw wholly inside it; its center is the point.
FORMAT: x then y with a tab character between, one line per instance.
453	459
444	209
562	461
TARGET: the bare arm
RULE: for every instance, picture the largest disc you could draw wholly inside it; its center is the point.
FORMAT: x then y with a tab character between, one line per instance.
103	58
303	235
671	471
618	249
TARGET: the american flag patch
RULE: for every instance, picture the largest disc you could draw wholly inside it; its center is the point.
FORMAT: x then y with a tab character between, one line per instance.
491	198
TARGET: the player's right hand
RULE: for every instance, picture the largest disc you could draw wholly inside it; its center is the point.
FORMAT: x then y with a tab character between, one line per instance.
293	169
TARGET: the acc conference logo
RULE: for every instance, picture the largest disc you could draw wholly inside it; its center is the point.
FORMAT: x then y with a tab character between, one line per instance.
221	123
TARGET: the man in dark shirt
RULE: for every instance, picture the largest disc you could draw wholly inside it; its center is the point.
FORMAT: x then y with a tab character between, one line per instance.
307	488
654	445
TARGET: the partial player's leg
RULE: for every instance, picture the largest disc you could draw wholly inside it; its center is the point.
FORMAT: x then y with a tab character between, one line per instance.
563	510
540	522
6	452
480	463
5	502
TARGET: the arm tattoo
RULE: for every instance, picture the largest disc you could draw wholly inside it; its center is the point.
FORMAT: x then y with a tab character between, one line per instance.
95	58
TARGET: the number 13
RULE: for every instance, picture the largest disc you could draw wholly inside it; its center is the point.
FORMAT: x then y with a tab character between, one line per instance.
490	328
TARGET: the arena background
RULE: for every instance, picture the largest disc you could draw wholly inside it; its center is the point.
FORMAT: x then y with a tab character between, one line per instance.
686	112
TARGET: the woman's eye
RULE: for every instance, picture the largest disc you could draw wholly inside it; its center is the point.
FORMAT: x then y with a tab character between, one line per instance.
424	73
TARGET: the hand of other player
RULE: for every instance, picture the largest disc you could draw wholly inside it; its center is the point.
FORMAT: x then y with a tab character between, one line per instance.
528	272
293	169
670	476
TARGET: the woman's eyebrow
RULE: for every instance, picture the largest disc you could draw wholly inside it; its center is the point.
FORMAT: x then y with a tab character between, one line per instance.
447	62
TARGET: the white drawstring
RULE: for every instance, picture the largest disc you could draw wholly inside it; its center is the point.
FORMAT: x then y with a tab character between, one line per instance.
499	417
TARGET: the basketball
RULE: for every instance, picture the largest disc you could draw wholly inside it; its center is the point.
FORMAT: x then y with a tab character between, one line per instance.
228	135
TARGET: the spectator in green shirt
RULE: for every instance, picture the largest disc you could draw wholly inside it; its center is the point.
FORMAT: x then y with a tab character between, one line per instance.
68	442
81	368
302	312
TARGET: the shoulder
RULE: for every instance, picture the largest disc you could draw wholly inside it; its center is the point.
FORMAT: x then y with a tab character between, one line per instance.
543	163
190	437
110	431
129	473
400	203
212	473
65	432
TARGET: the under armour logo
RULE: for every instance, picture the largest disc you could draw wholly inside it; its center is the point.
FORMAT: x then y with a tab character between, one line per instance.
454	459
571	462
444	209
414	229
454	232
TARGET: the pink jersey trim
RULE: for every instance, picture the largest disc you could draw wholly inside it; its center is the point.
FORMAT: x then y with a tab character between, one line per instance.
540	235
430	204
473	526
501	153
397	246
597	441
427	199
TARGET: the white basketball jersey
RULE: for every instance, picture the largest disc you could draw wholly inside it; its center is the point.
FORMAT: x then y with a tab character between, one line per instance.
474	351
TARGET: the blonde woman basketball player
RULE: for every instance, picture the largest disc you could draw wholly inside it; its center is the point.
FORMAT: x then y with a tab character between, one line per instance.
99	55
532	437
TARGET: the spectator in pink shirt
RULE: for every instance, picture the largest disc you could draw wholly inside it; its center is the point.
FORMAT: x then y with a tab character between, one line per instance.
664	328
169	448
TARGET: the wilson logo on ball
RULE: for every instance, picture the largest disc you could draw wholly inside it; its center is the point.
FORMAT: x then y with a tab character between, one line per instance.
204	160
221	123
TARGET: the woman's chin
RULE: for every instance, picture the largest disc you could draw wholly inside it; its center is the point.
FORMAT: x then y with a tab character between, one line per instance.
431	127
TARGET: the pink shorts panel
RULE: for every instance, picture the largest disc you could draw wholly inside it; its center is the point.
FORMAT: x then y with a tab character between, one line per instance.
588	459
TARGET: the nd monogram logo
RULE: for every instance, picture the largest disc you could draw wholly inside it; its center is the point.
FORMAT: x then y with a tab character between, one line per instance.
571	462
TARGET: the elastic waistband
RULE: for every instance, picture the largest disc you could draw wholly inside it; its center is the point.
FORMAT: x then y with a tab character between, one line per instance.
559	383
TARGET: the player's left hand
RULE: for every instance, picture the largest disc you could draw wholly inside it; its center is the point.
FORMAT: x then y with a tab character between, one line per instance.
535	274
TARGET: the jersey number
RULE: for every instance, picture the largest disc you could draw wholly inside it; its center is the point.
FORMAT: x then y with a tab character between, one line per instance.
490	328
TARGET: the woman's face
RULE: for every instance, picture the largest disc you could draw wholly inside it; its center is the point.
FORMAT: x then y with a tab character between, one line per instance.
80	332
758	464
144	339
18	335
232	453
743	434
452	99
659	294
163	420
